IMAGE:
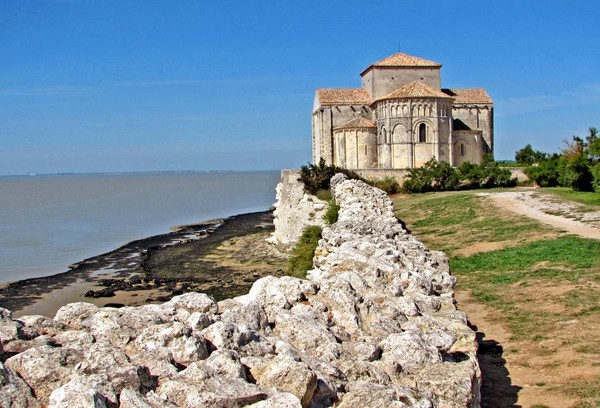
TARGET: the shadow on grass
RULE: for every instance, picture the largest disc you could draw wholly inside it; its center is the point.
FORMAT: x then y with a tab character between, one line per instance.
497	390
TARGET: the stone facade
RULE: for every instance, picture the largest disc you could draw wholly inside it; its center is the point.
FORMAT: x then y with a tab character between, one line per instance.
400	118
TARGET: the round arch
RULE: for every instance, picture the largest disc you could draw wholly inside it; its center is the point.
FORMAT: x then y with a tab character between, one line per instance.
422	131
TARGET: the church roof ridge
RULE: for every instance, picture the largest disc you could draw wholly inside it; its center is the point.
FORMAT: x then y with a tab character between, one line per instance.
415	89
343	96
403	60
357	123
468	95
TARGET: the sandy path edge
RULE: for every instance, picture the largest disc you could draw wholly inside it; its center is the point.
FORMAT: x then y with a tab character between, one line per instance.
521	203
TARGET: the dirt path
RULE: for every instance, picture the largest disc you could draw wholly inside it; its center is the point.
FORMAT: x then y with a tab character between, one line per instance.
523	373
563	215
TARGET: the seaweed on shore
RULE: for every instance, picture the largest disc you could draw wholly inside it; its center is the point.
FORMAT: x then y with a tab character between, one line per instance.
169	264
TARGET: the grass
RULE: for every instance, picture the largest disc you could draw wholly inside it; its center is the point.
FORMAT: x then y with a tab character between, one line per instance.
535	276
582	197
302	258
567	253
451	221
332	213
588	392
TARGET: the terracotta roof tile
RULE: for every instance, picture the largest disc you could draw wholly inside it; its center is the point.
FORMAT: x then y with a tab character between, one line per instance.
468	95
415	89
357	123
351	96
403	60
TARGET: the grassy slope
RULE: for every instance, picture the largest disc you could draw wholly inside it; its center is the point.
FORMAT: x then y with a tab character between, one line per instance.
537	277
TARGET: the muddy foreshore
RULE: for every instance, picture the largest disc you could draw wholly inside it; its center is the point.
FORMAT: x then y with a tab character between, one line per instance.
218	257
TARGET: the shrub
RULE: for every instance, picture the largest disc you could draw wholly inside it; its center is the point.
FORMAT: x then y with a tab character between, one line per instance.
324	195
545	173
495	176
577	174
317	177
302	258
596	173
332	213
388	184
441	176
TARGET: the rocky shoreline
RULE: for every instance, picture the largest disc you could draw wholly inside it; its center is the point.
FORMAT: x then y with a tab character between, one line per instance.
137	272
373	325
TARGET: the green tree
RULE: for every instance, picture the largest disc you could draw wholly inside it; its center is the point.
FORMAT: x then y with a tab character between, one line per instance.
575	168
529	156
546	173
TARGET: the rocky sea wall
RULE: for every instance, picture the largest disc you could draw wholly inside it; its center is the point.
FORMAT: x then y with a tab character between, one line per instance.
294	209
373	325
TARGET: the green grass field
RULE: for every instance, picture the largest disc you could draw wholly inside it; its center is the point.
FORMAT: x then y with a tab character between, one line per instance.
536	277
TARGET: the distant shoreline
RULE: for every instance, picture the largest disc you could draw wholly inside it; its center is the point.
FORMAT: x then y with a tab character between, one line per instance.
121	173
124	266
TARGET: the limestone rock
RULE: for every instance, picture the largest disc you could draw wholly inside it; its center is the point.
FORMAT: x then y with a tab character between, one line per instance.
290	376
45	368
14	392
226	363
367	394
278	400
194	302
294	209
200	386
114	366
408	352
84	392
173	342
74	313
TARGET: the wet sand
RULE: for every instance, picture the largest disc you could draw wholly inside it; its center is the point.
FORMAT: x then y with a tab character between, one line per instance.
219	257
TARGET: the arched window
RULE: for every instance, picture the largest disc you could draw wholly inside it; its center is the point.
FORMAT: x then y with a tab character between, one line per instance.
422	133
463	149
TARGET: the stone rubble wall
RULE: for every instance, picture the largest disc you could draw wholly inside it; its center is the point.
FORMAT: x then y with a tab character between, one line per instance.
294	209
374	325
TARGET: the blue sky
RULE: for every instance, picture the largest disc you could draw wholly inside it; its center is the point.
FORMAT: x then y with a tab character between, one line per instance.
91	86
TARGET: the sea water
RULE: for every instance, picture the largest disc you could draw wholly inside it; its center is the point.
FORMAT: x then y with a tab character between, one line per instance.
48	222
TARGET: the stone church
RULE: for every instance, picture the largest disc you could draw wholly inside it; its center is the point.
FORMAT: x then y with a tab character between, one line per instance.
400	118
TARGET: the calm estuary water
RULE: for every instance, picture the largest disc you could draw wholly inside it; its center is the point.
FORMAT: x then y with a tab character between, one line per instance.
49	222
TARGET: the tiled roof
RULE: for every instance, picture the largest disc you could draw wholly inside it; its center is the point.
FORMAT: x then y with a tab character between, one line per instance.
415	89
403	60
466	95
357	123
351	96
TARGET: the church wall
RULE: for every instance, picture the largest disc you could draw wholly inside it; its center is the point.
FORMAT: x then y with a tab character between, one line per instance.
467	147
322	135
381	81
444	143
478	117
339	147
325	119
367	149
355	148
